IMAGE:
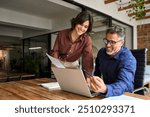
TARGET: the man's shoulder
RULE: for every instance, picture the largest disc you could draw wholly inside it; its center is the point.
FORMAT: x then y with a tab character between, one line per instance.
125	51
127	54
102	51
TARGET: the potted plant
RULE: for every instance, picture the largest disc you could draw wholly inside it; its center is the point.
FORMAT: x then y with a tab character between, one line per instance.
138	9
33	63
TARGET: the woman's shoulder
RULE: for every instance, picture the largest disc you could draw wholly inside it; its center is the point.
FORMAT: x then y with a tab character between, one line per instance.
87	38
64	33
65	30
86	35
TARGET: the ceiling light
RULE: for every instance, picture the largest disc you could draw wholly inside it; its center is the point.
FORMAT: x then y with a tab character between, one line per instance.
35	48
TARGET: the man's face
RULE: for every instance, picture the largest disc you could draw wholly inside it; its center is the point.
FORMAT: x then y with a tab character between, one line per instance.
113	44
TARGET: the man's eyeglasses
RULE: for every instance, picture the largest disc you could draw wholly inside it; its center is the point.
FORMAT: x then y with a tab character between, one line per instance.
106	41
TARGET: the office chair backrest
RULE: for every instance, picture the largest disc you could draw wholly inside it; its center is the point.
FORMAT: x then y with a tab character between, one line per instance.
141	57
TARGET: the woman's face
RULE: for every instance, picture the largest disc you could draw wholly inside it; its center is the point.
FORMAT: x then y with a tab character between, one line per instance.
82	28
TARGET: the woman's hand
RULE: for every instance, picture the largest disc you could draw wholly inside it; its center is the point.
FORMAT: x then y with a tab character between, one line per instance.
88	80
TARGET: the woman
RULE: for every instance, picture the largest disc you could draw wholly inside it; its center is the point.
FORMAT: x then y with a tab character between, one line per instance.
73	43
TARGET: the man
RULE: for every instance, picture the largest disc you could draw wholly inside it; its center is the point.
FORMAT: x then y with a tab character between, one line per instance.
115	66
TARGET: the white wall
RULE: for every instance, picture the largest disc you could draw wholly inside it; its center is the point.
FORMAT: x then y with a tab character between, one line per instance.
26	21
33	25
22	19
63	21
111	10
11	31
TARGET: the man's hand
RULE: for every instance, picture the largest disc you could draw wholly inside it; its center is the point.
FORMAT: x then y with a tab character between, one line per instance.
98	85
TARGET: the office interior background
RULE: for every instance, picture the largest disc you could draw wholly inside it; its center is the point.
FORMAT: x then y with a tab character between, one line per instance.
28	29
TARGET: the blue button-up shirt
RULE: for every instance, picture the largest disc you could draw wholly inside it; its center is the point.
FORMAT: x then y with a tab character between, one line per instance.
118	72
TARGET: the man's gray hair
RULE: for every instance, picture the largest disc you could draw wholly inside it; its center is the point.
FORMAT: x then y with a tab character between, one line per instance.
118	30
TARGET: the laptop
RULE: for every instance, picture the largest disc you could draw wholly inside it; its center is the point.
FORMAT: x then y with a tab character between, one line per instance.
73	80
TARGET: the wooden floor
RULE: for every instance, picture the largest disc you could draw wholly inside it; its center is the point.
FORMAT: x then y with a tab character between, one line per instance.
30	90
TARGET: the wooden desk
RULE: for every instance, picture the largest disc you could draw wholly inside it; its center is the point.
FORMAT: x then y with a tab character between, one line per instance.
30	90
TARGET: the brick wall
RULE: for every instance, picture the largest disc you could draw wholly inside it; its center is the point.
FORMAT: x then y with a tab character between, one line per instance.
143	35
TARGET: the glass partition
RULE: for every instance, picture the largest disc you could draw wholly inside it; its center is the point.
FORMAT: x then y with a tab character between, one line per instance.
35	59
100	25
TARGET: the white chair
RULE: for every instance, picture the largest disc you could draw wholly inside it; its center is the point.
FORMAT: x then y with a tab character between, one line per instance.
147	76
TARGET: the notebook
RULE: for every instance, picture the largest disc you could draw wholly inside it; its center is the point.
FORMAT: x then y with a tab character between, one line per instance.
72	80
50	85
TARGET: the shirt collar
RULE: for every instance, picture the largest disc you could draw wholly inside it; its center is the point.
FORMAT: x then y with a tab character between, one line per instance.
117	56
80	37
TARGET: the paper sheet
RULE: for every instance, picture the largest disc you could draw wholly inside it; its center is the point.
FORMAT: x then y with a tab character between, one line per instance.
51	85
55	61
122	97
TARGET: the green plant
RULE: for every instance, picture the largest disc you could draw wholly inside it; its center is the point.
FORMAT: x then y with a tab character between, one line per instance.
33	63
138	9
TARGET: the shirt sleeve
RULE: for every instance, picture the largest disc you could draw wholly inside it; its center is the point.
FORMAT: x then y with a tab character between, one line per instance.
97	71
87	58
125	82
55	51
